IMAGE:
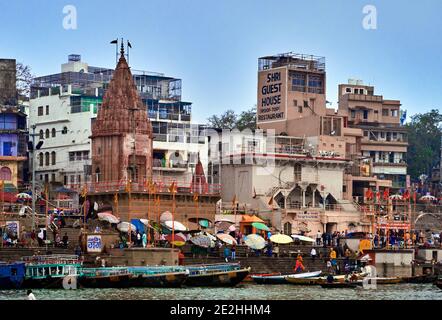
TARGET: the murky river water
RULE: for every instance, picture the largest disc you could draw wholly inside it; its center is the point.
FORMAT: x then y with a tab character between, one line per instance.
241	292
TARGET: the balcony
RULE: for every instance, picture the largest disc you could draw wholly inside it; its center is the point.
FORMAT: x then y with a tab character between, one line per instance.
169	165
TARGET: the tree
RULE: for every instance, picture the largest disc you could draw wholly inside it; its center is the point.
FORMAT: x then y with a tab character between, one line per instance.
230	120
424	138
24	79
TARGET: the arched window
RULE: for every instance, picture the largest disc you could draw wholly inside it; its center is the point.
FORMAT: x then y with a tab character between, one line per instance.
53	158
5	174
42	135
288	228
53	133
65	130
47	158
47	134
40	159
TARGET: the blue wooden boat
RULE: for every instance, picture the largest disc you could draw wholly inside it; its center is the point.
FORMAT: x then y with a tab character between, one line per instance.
157	276
12	275
216	275
111	277
51	272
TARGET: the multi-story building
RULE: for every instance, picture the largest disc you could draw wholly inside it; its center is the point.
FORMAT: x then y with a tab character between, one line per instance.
63	106
384	142
13	134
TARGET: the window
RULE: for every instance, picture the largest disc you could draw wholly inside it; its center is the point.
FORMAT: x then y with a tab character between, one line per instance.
300	109
78	156
394	113
85	155
53	133
47	158
40	159
365	114
65	130
5	174
353	114
385	112
65	179
42	135
40	111
46	178
47	110
79	179
295	103
8	121
53	158
71	156
53	177
72	178
287	228
348	90
47	134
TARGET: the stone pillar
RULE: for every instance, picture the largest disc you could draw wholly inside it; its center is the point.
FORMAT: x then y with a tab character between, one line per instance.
313	197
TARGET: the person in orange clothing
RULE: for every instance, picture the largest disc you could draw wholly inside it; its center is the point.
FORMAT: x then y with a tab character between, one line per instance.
299	266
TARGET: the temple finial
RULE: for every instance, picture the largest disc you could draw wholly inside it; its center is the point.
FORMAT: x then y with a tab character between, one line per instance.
122	48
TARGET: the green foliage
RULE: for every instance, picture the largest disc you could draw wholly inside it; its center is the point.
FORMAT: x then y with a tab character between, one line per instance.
424	138
231	120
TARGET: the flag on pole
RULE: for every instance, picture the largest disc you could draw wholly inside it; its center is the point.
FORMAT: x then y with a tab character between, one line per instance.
386	193
128	44
114	41
369	194
173	188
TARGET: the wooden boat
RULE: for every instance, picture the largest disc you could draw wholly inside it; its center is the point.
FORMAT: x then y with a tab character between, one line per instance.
112	277
153	277
438	283
12	275
340	285
216	275
381	280
281	278
420	279
49	272
316	280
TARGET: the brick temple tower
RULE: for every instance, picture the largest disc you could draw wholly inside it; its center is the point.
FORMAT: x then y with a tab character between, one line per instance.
122	133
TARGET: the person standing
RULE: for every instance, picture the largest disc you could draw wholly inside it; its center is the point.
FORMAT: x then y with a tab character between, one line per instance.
313	254
144	239
299	266
318	238
233	252
333	257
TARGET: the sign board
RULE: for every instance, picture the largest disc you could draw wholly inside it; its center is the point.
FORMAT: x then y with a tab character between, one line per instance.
94	243
408	181
308	216
272	87
13	228
393	225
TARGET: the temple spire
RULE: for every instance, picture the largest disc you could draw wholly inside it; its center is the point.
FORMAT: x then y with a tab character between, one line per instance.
122	48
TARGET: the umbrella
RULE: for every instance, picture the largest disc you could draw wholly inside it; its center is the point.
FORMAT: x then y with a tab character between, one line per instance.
177	238
201	241
145	222
428	198
255	241
224	220
23	196
108	216
260	226
226	238
232	228
396	197
205	223
211	237
124	227
166	216
302	238
177	226
281	239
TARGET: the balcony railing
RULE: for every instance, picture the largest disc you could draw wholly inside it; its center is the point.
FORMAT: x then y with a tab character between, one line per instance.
162	185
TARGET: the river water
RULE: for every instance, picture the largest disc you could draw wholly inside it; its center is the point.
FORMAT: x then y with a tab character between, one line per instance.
247	291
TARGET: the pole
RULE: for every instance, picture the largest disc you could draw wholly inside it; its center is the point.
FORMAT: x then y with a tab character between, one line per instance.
33	177
173	217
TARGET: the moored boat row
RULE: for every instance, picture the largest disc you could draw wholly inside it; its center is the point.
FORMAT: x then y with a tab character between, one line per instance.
48	272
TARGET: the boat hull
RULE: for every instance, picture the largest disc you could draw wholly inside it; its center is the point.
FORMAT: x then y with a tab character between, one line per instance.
103	282
43	283
217	279
281	278
168	280
420	279
439	284
7	283
340	285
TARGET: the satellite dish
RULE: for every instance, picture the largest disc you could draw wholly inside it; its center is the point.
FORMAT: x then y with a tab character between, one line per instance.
70	283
